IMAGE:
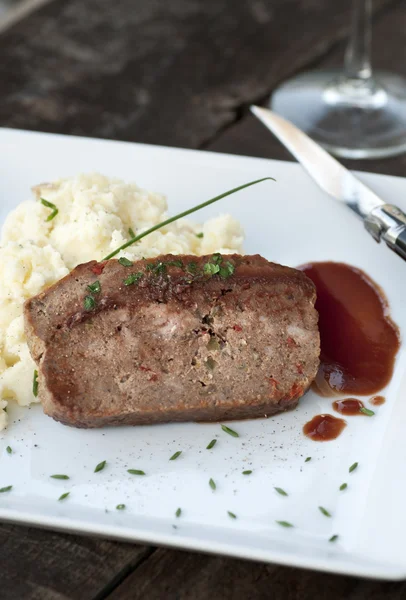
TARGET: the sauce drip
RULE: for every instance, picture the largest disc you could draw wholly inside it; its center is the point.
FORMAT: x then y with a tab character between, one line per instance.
349	406
359	340
323	428
377	400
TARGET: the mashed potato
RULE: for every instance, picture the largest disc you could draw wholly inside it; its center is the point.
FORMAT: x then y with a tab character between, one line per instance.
94	216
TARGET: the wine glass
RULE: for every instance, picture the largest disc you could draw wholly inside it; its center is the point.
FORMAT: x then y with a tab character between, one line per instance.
355	113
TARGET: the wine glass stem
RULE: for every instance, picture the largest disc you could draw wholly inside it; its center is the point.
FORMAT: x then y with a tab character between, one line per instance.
358	54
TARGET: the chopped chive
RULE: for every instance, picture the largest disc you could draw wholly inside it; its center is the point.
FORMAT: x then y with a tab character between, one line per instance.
125	262
284	523
133	278
246	472
89	303
95	287
343	486
308	459
176	455
324	511
59	476
200	235
367	411
35	384
184	214
100	466
231	514
212	484
9	450
135	472
212	443
50	205
131	232
6	489
178	512
333	538
229	431
63	496
281	491
353	467
120	506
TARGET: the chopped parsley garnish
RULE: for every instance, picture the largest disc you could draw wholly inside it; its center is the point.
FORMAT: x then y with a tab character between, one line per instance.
89	303
133	278
175	263
231	514
229	431
281	491
333	538
200	235
226	270
9	450
50	205
353	467
308	459
284	523
57	476
63	496
191	268
367	411
247	472
6	489
131	232
35	384
210	268
178	512
120	506
212	484
176	455
100	466
217	258
324	511
95	287
343	486
158	268
135	472
212	443
125	262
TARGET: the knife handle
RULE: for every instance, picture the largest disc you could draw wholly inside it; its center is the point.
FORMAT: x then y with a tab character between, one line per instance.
399	242
388	222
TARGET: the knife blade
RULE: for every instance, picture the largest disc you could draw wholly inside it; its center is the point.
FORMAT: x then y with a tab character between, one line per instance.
381	220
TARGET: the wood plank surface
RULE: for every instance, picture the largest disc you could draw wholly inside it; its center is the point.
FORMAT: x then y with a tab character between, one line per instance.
174	575
169	72
44	565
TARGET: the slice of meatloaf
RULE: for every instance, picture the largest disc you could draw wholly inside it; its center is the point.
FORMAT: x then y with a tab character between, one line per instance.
177	338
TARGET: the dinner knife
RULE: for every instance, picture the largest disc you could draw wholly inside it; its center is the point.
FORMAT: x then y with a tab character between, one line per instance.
381	220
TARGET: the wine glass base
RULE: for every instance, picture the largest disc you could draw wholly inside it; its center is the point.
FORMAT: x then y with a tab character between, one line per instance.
350	118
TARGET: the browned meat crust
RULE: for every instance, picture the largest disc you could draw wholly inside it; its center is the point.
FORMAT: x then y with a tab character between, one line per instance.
177	338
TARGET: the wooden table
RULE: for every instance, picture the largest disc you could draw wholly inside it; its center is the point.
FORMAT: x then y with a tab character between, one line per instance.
181	73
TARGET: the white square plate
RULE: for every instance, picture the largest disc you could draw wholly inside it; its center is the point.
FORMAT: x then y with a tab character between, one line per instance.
291	222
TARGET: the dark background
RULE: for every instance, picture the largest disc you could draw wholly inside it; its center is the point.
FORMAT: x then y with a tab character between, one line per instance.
180	73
